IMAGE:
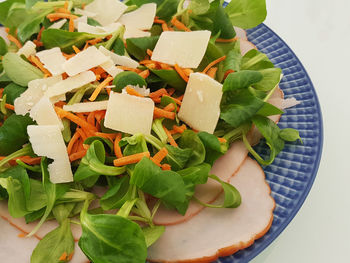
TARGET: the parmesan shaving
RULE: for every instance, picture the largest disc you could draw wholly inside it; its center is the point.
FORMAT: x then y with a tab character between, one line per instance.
53	60
87	106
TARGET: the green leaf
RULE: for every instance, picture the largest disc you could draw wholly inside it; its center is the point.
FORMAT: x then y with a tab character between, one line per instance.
255	60
269	110
165	8
37	199
241	107
54	244
241	79
111	238
195	174
168	186
171	77
92	165
223	25
213	148
13	91
126	78
117	194
134	144
271	78
137	47
189	139
20	174
20	71
290	135
105	141
246	13
233	61
13	133
177	157
152	234
157	128
5	7
15	16
119	47
64	39
199	7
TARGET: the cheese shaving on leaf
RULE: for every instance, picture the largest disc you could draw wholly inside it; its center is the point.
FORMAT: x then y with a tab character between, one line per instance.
87	106
107	11
119	60
131	32
53	60
28	49
82	12
142	18
59	24
44	113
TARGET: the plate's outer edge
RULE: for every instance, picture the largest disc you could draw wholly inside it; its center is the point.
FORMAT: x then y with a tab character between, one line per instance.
293	172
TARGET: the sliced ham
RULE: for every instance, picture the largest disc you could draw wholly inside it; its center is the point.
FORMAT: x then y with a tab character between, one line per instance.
224	168
241	33
221	232
246	46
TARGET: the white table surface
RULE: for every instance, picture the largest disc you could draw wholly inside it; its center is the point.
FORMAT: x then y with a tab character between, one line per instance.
318	31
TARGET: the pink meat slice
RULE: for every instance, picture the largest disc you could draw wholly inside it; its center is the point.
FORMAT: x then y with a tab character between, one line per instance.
224	168
241	33
221	232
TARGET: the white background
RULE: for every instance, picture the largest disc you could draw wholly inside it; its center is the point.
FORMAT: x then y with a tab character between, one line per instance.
318	31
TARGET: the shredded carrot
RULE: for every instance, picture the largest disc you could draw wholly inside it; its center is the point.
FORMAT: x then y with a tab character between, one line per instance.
7	30
71	25
83	6
165	66
181	72
15	41
38	43
110	136
91	118
68	56
77	146
187	71
66	4
212	72
73	140
170	137
57	16
76	50
180	129
135	158
69	258
144	74
147	61
171	91
38	64
60	104
62	10
99	88
179	25
78	155
165	27
40	33
30	160
159	156
9	106
130	69
94	41
149	52
99	115
228	72
22	235
214	63
70	116
223	40
81	116
133	92
170	107
166	167
160	113
98	70
63	257
82	134
1	92
159	21
158	93
222	140
117	149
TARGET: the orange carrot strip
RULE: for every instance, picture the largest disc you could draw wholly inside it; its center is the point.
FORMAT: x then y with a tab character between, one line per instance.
165	27
160	113
78	155
81	116
69	258
181	73
187	71
166	167
91	118
228	72
76	50
30	160
147	61
62	10
68	56
149	52
144	74
180	129
110	136
63	257
22	235
71	25
222	140
66	5
165	66
179	25
214	63
170	137
99	88
15	41
159	21
135	158
38	43
94	41
73	140
223	40
99	115
82	134
9	106
117	149
159	156
158	93
56	16
130	69
133	92
65	114
40	33
212	72
171	91
38	64
78	146
170	107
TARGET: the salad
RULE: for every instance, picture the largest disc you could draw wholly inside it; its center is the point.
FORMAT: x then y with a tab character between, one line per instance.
114	115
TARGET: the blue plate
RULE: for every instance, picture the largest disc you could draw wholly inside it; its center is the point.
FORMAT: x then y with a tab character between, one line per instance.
294	170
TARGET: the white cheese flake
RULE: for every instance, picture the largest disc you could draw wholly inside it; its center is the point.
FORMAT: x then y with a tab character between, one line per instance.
28	49
186	49
131	32
200	107
107	11
85	60
47	140
44	113
87	106
70	84
142	18
129	114
119	60
98	30
59	24
142	91
36	90
82	12
82	19
53	60
110	68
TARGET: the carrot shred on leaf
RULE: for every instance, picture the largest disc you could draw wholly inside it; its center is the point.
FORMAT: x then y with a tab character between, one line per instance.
222	140
179	129
159	21
71	143
212	64
166	167
133	92
82	134
110	136
57	16
39	65
179	25
130	69
135	158
78	155
223	40
170	137
212	72
40	33
80	122
181	72
159	156
9	106
99	88
63	257
170	107
15	41
76	50
158	93
144	74
165	27
149	52
160	113
91	118
117	149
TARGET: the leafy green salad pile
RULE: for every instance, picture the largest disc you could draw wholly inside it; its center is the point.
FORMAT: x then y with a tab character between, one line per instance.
123	236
